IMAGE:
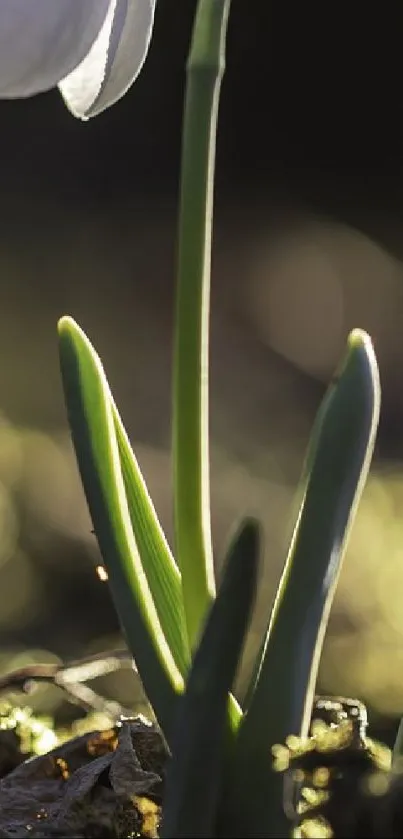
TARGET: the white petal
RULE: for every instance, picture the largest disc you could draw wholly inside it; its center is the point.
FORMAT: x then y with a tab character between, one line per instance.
41	41
114	60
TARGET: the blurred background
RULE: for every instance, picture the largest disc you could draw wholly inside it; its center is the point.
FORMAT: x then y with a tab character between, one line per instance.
307	245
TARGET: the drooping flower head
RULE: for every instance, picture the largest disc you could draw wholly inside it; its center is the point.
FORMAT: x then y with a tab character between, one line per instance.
92	50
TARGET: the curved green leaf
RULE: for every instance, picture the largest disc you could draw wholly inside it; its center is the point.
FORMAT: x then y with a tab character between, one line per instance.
162	573
337	464
195	773
92	424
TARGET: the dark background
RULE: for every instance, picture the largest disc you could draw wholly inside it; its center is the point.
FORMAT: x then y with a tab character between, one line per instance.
307	245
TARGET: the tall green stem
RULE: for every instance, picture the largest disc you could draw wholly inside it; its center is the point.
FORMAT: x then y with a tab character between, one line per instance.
190	409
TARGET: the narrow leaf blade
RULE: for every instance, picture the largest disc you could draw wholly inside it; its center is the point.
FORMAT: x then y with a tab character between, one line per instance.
93	431
163	575
337	464
195	773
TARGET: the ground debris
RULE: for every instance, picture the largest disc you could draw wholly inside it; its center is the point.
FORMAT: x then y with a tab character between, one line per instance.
106	783
338	781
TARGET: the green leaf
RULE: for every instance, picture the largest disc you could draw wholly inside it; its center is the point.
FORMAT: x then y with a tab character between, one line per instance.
162	572
195	773
337	464
92	421
163	575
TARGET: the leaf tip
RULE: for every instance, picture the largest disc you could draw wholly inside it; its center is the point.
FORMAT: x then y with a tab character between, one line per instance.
249	532
358	337
66	324
74	343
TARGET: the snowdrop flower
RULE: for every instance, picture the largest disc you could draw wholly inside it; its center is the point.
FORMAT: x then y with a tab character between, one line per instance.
92	49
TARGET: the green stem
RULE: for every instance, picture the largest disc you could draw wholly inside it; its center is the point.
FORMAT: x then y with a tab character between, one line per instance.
190	409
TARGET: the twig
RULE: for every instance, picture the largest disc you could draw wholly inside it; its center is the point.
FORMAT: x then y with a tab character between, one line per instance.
71	677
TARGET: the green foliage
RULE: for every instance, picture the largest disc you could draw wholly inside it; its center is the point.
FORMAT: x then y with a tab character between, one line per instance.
195	774
281	694
221	781
144	584
92	423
